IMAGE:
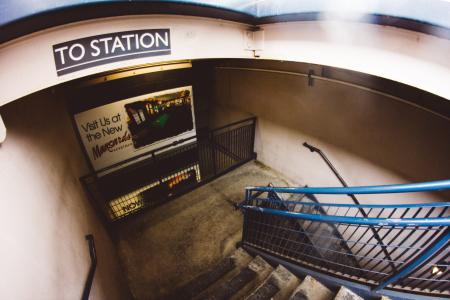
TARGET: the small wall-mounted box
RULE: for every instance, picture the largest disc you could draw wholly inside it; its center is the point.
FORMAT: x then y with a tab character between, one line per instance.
254	39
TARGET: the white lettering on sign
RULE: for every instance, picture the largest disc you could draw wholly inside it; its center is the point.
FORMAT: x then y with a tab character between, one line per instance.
150	37
96	50
120	130
80	56
117	44
164	40
61	53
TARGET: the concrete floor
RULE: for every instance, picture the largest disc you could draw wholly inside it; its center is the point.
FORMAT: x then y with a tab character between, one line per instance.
168	246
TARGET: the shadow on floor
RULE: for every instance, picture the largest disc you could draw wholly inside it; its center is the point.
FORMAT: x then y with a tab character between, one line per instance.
164	248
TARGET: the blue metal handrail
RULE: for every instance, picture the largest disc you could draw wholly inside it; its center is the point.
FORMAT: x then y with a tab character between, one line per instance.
411	222
408	205
414	234
377	189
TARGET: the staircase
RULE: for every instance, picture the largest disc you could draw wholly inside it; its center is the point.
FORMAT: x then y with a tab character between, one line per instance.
390	249
242	276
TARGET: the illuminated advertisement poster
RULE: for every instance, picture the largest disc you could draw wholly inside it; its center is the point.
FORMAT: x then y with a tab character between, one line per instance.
153	193
121	130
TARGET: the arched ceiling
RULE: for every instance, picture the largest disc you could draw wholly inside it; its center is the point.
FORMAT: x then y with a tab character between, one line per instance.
21	17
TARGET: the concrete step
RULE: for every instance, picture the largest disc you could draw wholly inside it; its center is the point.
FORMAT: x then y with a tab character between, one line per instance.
278	285
226	269
346	294
311	289
240	276
243	283
206	279
241	258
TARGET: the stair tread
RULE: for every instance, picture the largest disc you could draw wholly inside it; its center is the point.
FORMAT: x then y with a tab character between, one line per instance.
346	294
204	280
227	268
227	290
239	286
265	291
278	285
311	289
241	257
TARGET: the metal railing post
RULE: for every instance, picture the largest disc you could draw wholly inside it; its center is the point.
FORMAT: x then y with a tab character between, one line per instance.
253	136
213	149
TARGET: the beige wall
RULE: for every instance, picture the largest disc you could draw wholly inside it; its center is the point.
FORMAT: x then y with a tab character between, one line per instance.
45	214
371	139
31	57
413	58
405	56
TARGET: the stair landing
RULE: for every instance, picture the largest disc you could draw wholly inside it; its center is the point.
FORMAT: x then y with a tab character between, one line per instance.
164	248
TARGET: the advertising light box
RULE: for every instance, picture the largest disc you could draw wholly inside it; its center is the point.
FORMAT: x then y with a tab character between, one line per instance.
124	129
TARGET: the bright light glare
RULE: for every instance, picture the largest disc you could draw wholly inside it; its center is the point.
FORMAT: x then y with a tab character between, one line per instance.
436	270
2	131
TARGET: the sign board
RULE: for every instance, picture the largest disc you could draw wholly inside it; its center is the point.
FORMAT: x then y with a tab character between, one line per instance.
96	50
121	130
154	192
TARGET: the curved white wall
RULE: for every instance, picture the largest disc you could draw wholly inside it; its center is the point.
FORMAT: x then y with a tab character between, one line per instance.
372	139
416	59
46	212
27	65
412	58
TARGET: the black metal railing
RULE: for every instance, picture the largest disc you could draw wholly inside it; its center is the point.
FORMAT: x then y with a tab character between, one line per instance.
338	239
157	176
92	268
352	196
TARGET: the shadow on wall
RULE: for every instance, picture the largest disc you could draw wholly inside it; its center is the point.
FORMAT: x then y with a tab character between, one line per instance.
48	214
390	134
